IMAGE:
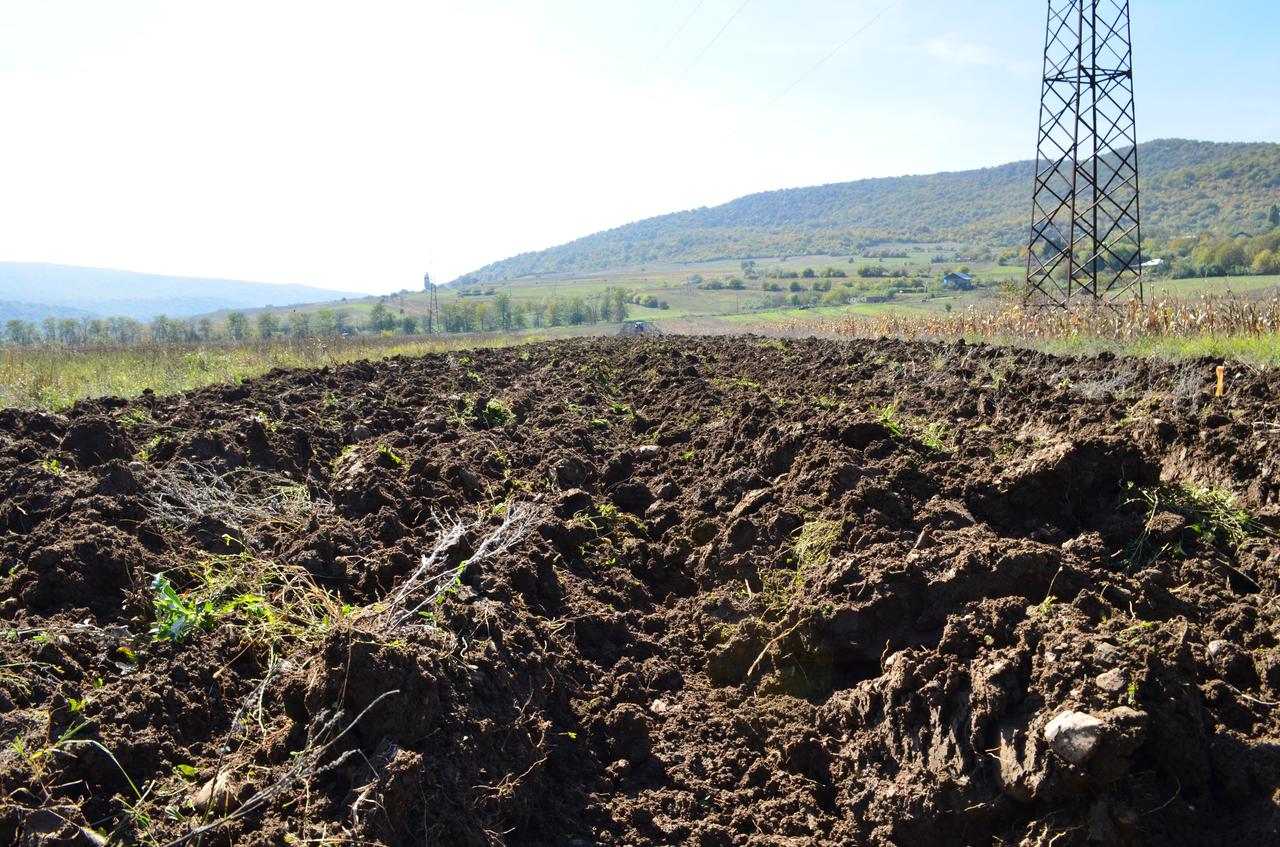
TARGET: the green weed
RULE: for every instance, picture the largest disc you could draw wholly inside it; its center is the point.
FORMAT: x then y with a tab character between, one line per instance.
887	416
177	615
1212	517
496	414
814	542
936	435
266	601
812	550
133	418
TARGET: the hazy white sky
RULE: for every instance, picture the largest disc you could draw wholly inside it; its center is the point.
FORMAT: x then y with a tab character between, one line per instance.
355	145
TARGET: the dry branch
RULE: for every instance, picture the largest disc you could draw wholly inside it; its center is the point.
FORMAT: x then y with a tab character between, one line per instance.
187	493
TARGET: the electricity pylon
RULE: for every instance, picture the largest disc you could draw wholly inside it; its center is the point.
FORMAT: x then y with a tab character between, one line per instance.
433	304
1086	235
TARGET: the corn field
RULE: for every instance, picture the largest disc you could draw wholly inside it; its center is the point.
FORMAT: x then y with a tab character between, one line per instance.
1207	315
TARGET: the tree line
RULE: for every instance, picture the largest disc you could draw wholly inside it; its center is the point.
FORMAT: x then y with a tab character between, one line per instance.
501	313
1239	254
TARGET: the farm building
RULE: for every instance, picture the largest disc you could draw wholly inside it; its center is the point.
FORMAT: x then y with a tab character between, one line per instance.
957	281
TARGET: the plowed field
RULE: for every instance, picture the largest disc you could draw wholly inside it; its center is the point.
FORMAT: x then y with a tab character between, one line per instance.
649	592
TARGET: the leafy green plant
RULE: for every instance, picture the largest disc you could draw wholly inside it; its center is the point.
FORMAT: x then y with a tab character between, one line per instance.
267	602
1212	513
1134	633
387	453
177	615
779	584
144	455
53	466
601	519
132	418
828	402
598	423
496	414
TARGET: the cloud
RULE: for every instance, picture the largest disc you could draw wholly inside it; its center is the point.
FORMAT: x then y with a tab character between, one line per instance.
956	52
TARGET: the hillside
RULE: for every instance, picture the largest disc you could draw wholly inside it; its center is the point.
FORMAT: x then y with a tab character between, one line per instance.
14	310
1189	187
30	291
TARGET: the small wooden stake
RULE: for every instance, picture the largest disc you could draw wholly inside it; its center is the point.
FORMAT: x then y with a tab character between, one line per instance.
1221	374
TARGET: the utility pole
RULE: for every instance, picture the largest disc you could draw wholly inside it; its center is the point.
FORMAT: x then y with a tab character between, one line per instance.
1086	233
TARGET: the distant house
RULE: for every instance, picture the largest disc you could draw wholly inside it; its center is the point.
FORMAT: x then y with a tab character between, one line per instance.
957	281
1154	263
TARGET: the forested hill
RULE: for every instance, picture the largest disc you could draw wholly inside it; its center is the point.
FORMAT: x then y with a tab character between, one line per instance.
1189	187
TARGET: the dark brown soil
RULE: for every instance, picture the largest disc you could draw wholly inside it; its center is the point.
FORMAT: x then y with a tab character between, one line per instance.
742	603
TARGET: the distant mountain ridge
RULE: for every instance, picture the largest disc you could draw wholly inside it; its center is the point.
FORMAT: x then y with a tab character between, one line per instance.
32	291
1188	187
13	310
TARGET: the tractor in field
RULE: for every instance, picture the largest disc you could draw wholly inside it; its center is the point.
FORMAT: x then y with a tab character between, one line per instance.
632	329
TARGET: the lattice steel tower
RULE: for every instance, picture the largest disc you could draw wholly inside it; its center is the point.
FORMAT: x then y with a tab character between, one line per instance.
1086	237
433	304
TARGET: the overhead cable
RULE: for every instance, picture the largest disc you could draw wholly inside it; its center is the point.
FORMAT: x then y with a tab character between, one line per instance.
704	50
843	44
666	46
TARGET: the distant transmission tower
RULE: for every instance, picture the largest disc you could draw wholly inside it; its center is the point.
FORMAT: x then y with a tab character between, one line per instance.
433	304
1086	236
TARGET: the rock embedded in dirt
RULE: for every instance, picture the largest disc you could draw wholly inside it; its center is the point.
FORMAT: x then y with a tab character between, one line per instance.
668	491
1075	736
220	795
1112	681
53	828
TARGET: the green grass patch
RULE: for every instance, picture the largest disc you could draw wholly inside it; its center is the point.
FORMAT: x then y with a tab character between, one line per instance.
54	377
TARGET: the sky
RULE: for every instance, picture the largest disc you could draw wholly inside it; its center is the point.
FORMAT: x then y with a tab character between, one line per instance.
358	145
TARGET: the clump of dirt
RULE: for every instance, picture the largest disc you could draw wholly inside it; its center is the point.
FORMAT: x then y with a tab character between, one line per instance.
649	591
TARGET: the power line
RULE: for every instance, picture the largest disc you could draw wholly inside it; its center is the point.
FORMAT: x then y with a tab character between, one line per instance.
704	50
666	46
843	44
